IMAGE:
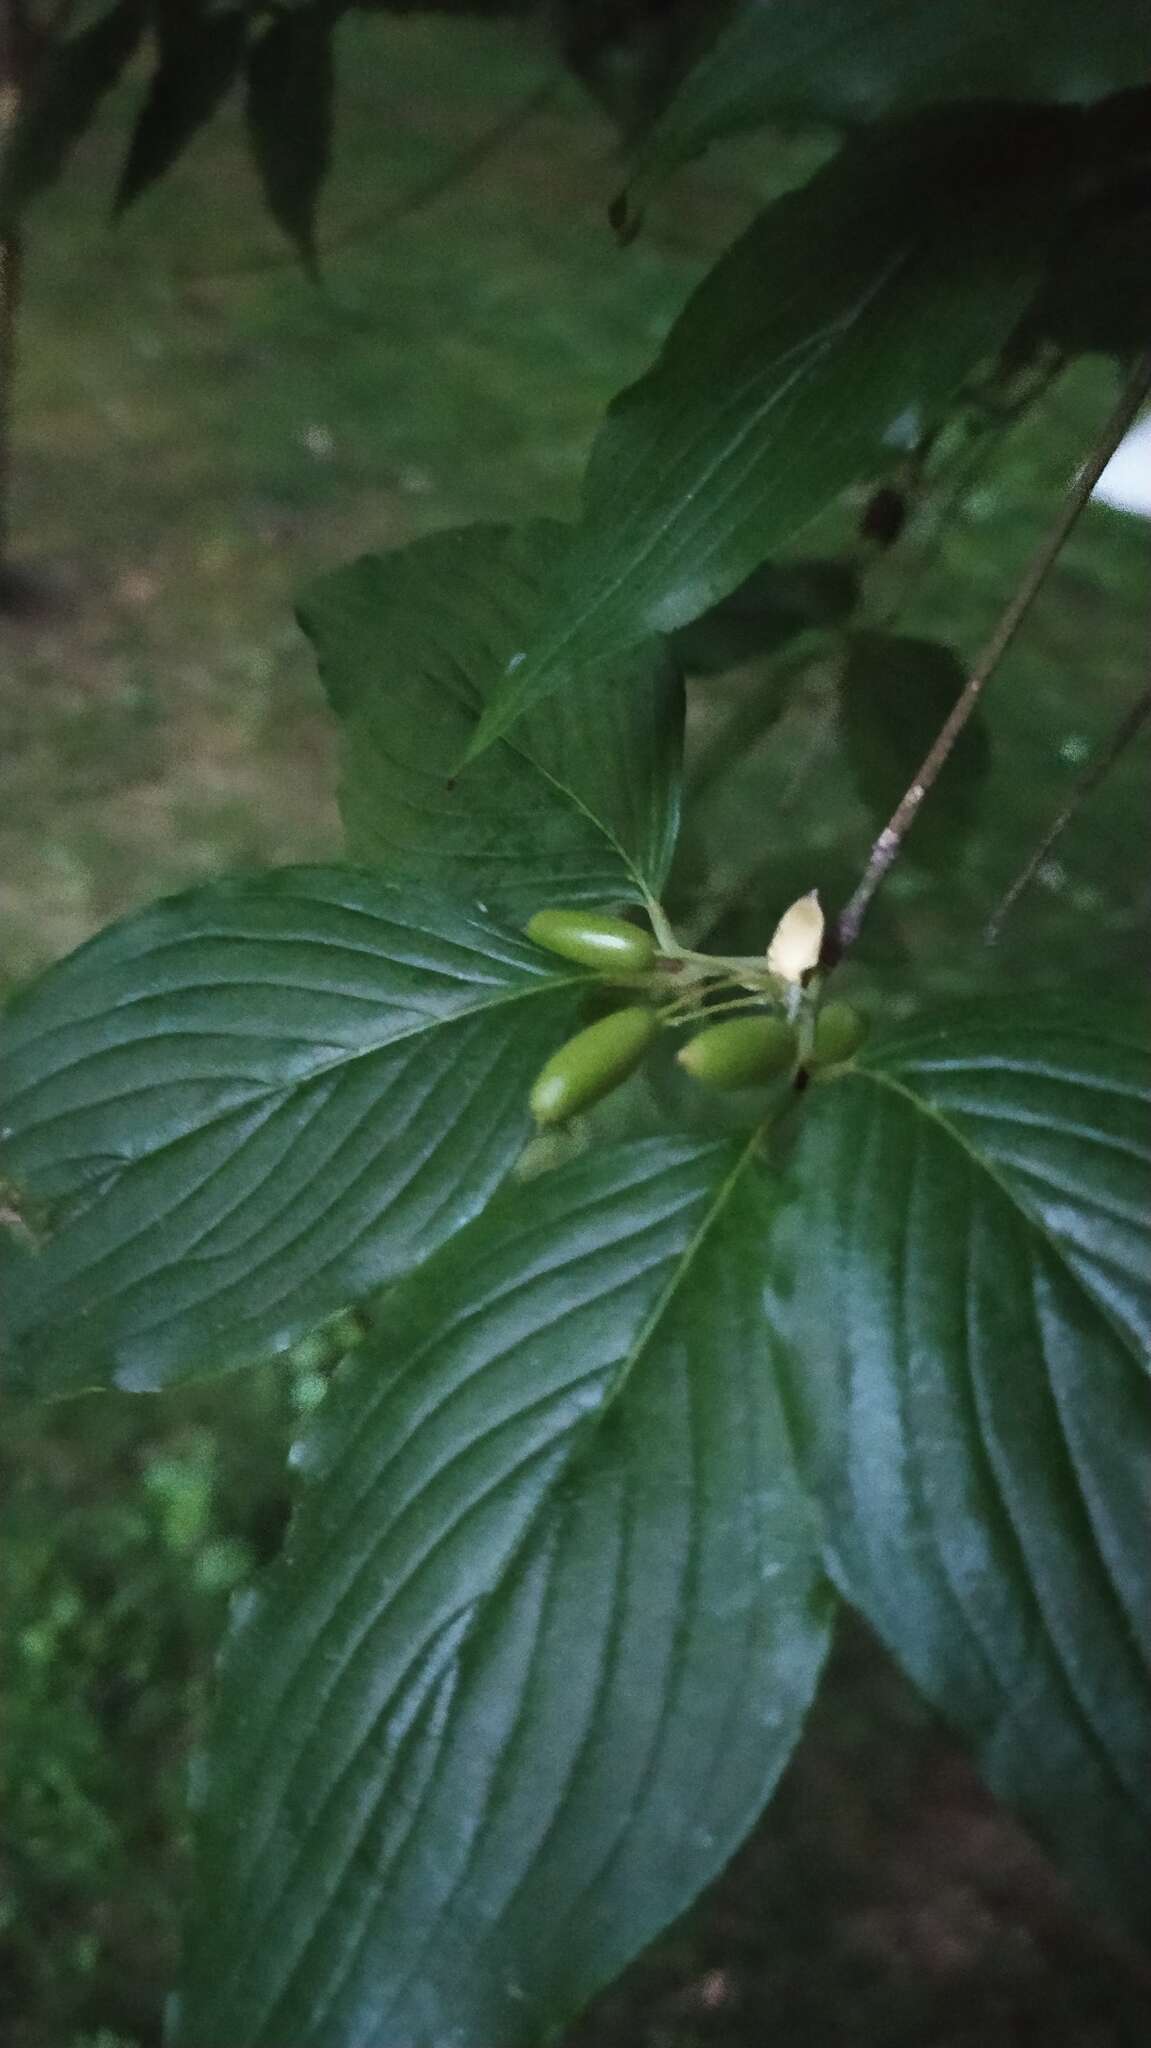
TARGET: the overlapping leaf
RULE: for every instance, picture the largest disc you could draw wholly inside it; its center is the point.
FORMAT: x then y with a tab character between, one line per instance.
547	1625
855	60
579	806
290	88
774	605
969	1281
63	100
253	1103
817	351
200	56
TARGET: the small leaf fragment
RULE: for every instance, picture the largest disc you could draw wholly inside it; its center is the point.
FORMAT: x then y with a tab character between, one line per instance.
200	58
63	101
289	114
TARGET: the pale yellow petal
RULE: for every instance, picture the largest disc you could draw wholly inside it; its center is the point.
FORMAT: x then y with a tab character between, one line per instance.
798	938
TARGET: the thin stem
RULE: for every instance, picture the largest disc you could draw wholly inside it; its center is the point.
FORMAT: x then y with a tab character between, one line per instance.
661	926
1128	729
890	840
678	1015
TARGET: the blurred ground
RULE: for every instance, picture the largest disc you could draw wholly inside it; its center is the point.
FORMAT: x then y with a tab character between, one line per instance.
885	1902
198	431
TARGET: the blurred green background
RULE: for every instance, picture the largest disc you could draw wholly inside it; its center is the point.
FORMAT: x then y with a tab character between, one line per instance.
199	430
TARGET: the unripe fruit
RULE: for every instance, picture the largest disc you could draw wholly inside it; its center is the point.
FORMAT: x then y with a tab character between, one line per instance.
591	1064
740	1052
840	1030
593	940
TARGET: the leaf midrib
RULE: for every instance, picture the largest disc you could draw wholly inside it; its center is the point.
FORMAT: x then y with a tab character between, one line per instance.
581	1439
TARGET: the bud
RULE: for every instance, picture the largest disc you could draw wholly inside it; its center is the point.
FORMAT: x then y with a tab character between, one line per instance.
798	939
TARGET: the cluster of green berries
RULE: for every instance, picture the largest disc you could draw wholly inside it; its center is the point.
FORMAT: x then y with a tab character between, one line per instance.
739	1052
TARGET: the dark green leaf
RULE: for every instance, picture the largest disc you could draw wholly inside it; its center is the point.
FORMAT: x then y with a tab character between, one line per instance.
199	61
289	110
1098	295
547	1626
63	102
253	1104
895	694
1097	292
773	605
969	1276
856	60
824	344
579	806
630	57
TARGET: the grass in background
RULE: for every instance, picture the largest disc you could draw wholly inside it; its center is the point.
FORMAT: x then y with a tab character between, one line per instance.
198	431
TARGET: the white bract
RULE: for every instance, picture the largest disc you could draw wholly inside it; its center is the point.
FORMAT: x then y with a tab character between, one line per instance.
797	940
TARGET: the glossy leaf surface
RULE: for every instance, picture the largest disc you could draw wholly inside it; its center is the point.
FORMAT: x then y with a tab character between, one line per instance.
969	1280
253	1103
818	351
547	1625
857	60
579	805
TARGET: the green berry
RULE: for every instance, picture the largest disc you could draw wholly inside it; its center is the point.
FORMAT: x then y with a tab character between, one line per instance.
840	1030
592	939
591	1064
741	1052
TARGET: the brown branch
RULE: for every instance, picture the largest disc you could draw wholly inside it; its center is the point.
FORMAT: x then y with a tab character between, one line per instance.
1127	730
887	846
